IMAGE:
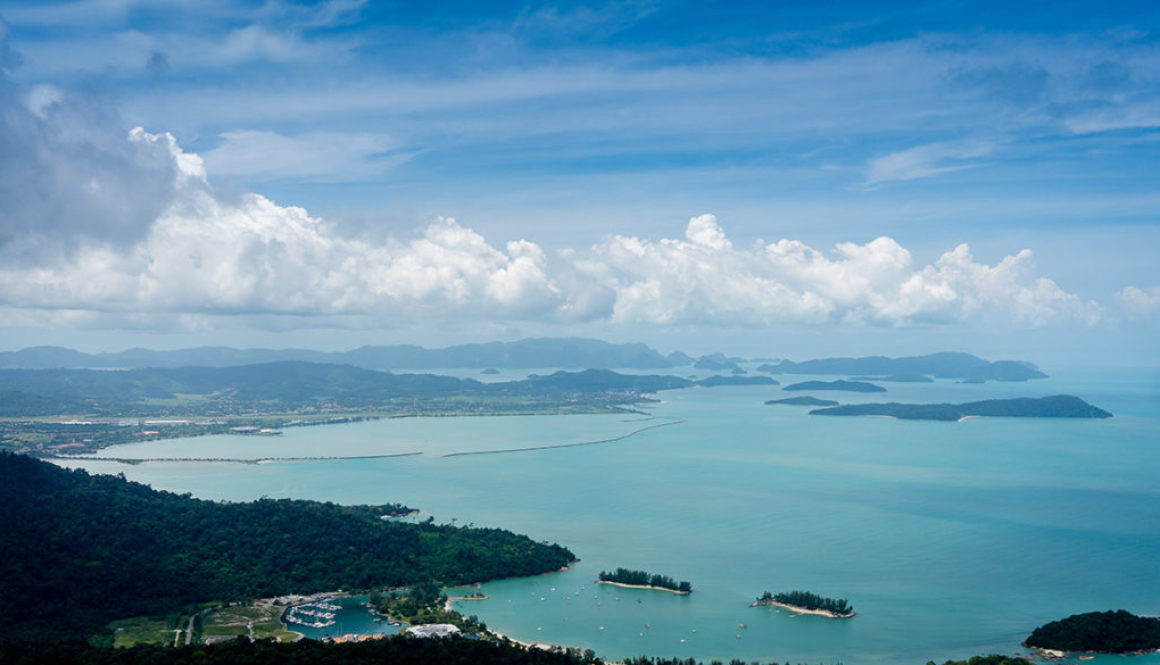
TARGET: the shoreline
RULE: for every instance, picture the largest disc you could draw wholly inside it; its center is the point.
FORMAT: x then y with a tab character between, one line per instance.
645	586
802	610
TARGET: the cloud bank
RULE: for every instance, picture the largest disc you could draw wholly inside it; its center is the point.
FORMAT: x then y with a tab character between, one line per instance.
208	254
94	223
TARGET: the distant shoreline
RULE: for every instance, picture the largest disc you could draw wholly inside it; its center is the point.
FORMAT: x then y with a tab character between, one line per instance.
802	610
645	586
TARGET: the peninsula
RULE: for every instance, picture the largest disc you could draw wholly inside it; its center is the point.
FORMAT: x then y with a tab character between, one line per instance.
134	551
639	579
1056	406
848	386
805	602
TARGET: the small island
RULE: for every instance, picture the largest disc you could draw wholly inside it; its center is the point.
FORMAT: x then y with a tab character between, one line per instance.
639	579
849	386
804	400
805	602
1117	631
1056	406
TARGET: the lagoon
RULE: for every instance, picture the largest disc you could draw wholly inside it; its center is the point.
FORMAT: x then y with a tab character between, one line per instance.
949	539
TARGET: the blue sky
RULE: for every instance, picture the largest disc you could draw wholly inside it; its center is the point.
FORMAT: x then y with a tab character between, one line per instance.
785	178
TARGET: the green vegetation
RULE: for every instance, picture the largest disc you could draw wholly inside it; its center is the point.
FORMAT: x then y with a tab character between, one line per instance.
941	365
146	630
804	400
306	389
91	549
252	621
641	578
993	659
395	651
423	603
848	386
1110	632
807	601
1057	406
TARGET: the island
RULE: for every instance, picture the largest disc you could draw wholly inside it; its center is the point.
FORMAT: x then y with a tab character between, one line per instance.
804	400
1056	406
639	579
1117	631
940	365
849	386
805	602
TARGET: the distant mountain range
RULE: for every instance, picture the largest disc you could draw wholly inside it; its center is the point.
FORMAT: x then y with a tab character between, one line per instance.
563	353
567	353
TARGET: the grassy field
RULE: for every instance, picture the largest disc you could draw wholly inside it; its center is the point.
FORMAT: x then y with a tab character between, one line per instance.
145	630
256	622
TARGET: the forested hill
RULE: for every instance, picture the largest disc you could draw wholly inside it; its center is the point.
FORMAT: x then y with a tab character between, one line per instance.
1056	406
298	386
81	550
942	365
1111	632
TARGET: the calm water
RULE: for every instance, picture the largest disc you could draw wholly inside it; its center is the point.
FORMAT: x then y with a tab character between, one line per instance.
353	619
950	539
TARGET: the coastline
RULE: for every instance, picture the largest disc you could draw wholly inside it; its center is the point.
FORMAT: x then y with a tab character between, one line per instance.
802	610
645	586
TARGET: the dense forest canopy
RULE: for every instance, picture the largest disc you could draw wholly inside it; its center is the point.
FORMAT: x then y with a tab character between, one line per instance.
808	601
93	548
1113	632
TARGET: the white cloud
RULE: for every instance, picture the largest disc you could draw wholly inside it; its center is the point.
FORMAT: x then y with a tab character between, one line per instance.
254	256
1140	302
925	161
324	156
705	280
203	254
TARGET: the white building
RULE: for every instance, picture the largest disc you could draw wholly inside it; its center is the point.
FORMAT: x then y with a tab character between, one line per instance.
433	630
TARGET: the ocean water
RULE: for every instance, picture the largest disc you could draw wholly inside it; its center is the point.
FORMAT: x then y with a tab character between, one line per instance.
949	539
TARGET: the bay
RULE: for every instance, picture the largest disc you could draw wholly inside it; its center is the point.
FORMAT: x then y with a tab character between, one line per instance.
949	539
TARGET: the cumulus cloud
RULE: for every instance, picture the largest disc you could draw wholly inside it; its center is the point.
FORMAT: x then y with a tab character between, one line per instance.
705	280
68	175
206	255
96	225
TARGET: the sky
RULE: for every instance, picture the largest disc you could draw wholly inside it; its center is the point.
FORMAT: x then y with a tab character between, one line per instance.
783	179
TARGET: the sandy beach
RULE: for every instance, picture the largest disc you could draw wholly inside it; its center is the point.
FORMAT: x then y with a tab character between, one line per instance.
801	610
645	586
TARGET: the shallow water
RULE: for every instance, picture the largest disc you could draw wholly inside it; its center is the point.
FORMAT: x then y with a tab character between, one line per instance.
949	539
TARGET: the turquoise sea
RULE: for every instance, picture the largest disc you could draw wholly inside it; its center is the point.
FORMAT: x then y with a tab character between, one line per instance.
949	539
